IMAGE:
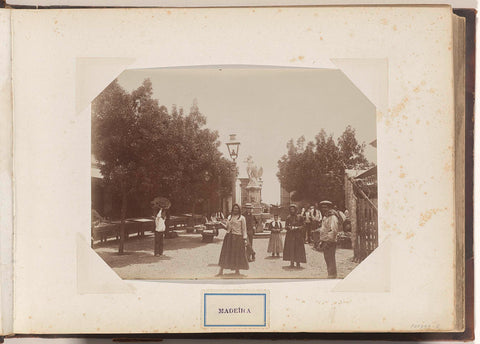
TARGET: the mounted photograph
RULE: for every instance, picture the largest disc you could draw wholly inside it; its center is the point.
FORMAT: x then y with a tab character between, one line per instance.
233	173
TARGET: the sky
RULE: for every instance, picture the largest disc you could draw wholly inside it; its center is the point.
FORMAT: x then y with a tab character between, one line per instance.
265	108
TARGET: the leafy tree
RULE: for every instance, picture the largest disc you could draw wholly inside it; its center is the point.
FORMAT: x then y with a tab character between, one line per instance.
145	151
352	153
153	124
314	171
115	143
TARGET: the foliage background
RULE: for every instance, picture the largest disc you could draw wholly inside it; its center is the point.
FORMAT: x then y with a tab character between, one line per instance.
145	151
314	170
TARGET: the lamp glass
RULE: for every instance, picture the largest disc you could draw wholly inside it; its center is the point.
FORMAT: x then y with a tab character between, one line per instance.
233	149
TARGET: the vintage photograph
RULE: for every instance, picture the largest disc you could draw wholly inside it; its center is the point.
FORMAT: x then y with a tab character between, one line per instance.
233	173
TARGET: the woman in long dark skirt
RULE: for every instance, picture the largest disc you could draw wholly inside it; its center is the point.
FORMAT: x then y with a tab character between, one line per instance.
294	248
233	255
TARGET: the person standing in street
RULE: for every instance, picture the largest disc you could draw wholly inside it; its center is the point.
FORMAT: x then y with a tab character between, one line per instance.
232	255
159	232
302	213
275	244
218	215
340	216
312	221
251	222
294	249
316	220
328	236
347	214
307	225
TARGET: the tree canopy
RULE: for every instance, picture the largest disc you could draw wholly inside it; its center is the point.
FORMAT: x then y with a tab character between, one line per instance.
314	170
145	150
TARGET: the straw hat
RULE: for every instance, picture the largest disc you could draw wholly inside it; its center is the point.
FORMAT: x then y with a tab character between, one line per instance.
327	203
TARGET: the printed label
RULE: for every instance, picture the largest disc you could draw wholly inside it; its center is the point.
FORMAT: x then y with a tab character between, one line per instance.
235	309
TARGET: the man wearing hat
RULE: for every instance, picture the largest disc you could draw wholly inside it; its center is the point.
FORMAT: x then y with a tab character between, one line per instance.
251	223
328	236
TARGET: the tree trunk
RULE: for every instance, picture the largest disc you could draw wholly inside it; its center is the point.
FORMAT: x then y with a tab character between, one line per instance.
194	205
122	223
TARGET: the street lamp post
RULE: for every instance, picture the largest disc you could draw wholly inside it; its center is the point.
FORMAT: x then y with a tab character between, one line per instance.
207	177
233	146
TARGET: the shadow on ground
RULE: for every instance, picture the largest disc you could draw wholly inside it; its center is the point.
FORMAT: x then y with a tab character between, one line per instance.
188	257
183	241
273	257
140	250
116	260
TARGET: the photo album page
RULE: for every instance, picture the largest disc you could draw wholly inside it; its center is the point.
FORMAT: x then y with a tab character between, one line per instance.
268	169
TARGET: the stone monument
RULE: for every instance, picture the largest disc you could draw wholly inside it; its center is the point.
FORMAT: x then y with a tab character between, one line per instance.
251	187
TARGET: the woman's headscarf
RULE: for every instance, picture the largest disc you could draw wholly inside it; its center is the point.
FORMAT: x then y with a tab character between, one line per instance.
239	210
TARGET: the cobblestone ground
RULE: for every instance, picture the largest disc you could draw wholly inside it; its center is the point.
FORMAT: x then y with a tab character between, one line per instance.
187	257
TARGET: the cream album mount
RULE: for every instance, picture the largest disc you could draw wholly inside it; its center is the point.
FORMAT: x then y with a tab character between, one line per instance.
243	169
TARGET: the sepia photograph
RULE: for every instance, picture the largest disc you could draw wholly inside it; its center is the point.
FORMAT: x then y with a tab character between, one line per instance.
233	173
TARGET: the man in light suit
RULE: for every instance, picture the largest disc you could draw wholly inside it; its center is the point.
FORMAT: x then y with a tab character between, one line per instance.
328	236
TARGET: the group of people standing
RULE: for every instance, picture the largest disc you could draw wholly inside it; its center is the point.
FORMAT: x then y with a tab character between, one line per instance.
300	228
237	249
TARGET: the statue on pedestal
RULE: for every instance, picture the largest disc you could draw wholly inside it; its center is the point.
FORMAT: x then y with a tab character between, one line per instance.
254	173
253	189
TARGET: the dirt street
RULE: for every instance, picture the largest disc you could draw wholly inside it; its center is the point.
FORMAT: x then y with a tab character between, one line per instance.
187	257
